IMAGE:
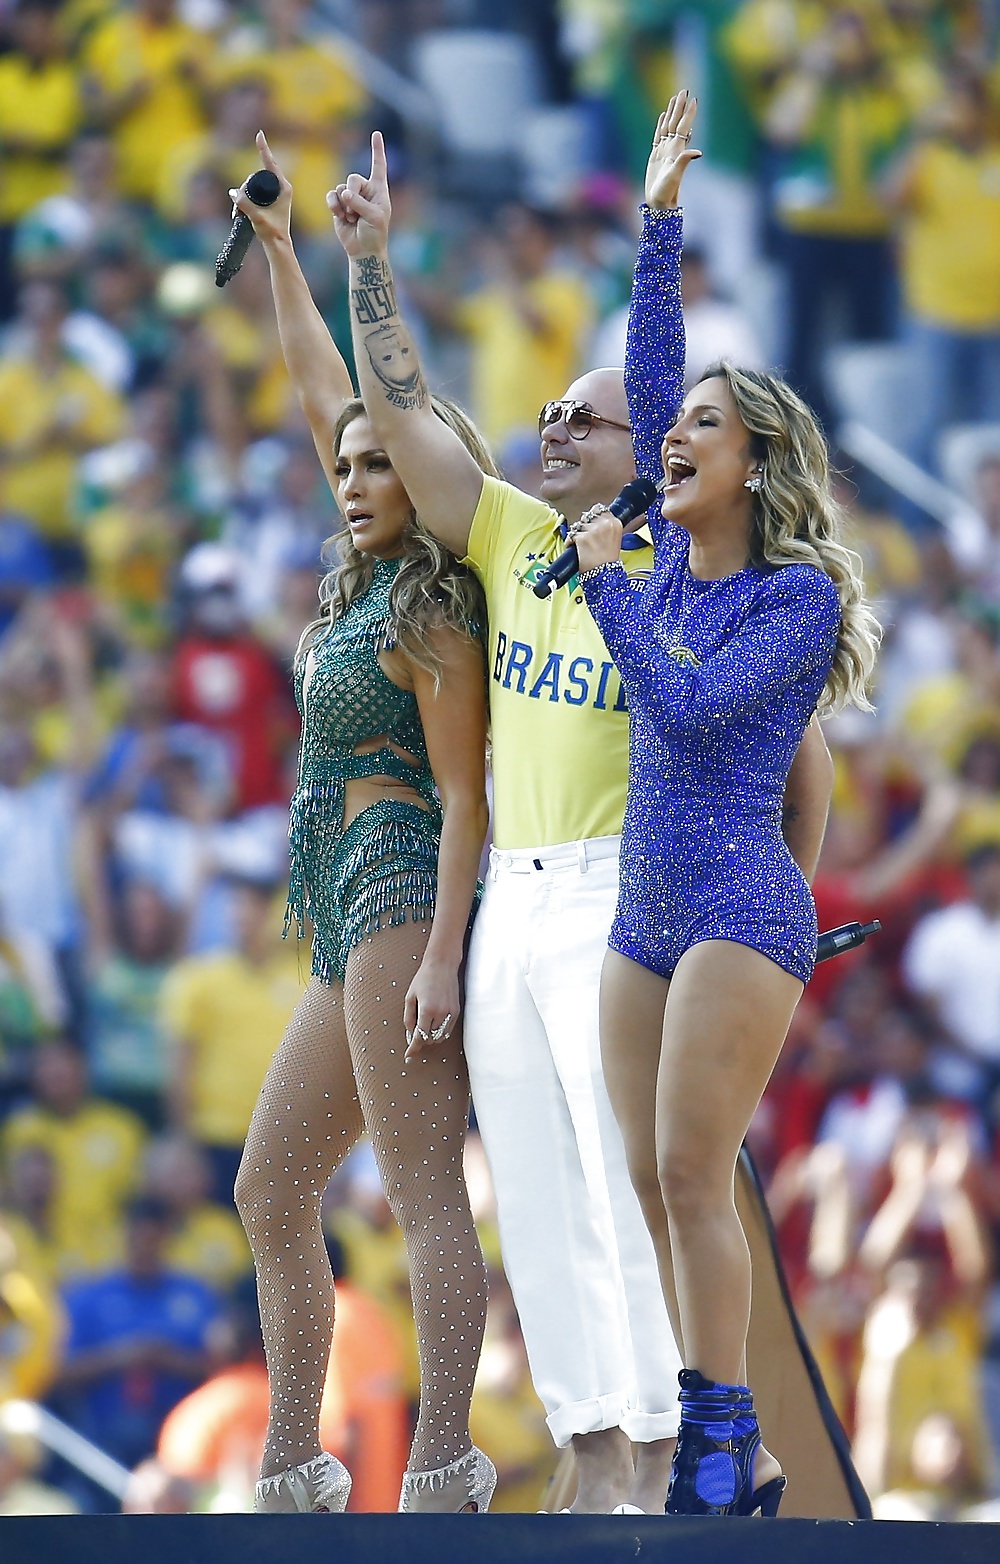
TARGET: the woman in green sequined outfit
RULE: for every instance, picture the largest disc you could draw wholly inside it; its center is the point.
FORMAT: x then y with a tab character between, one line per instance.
387	825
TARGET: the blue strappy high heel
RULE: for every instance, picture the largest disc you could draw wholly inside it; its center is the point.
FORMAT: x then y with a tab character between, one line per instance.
706	1477
718	1440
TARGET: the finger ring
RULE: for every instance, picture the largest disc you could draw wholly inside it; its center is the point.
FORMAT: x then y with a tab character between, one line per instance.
438	1032
681	135
418	1031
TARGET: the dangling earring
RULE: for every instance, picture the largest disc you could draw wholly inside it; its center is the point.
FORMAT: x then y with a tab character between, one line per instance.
754	483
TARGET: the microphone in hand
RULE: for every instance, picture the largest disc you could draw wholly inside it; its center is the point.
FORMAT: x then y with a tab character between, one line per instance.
635	498
263	189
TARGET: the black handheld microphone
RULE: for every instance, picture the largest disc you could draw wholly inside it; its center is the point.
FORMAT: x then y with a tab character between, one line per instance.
635	498
835	941
263	189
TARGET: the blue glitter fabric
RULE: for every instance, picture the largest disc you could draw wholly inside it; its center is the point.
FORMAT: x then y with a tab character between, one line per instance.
383	868
721	679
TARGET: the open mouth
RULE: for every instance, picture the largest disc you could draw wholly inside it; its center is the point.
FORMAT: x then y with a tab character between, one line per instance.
679	472
358	518
558	464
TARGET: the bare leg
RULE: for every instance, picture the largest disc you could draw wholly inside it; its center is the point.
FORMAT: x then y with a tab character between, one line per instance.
726	1018
633	1000
417	1114
635	1007
306	1121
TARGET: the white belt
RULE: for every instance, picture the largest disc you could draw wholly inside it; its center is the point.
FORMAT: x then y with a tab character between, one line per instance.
564	855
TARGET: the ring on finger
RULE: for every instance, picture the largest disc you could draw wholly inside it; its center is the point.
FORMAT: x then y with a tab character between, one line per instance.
418	1031
438	1032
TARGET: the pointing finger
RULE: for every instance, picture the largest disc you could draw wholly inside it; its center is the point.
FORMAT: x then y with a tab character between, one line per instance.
380	168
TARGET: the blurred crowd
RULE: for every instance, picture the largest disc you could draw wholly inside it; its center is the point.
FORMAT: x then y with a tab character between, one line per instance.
162	528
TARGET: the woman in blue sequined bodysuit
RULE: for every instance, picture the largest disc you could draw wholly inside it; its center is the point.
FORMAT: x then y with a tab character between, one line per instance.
753	615
387	826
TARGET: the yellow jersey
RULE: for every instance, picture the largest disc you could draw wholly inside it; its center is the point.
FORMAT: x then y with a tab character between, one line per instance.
514	366
950	257
41	109
557	707
45	421
95	1152
210	1244
158	63
230	1015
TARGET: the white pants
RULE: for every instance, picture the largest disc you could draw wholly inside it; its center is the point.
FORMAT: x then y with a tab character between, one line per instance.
576	1248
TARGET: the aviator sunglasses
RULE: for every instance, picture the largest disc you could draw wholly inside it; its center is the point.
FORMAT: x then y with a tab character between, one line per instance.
579	418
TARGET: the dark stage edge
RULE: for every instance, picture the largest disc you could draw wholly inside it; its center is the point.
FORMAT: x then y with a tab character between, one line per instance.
469	1539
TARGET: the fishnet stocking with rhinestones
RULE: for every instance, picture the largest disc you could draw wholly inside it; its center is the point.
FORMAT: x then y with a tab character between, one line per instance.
339	1071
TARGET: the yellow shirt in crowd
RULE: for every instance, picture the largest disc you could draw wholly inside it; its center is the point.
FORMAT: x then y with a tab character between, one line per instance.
32	1328
211	1245
513	366
951	240
229	1014
45	421
558	712
311	92
41	108
129	53
95	1153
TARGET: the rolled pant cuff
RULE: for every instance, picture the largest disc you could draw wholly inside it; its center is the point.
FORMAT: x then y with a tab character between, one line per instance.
643	1428
587	1417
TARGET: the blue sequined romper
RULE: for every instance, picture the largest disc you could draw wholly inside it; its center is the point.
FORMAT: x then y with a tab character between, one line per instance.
382	869
721	678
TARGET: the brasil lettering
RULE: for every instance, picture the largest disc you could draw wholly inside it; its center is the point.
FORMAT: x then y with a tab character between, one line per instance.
578	681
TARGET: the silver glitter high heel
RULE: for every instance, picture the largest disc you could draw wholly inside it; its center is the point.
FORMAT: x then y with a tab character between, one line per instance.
473	1478
320	1486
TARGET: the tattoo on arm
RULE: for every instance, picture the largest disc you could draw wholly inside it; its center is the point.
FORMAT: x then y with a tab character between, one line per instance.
390	349
374	299
789	814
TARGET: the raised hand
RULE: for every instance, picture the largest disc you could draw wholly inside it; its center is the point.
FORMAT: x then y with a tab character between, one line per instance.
269	222
671	150
361	208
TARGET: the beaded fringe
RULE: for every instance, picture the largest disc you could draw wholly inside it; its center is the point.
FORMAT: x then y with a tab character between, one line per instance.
375	882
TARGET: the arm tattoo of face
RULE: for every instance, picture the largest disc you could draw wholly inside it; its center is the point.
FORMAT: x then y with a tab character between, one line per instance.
374	298
394	360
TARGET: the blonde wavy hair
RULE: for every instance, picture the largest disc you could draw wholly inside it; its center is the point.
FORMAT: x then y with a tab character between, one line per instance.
432	588
798	521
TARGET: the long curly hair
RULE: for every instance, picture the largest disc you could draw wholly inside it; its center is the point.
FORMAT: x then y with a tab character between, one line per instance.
798	520
432	588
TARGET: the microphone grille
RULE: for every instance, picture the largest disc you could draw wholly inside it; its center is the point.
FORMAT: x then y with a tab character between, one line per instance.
634	498
263	187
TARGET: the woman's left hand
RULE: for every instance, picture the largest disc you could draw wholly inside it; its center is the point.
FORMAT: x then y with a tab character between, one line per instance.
598	538
431	1008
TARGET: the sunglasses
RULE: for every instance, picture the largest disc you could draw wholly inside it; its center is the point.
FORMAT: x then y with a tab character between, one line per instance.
579	418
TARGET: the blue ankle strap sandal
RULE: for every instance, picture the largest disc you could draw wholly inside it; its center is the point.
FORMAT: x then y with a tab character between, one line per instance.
706	1477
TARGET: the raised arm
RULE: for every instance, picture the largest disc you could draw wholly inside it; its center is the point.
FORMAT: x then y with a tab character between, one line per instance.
316	366
442	479
654	352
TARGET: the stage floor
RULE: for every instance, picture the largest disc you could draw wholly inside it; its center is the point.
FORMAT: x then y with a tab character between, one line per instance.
497	1539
